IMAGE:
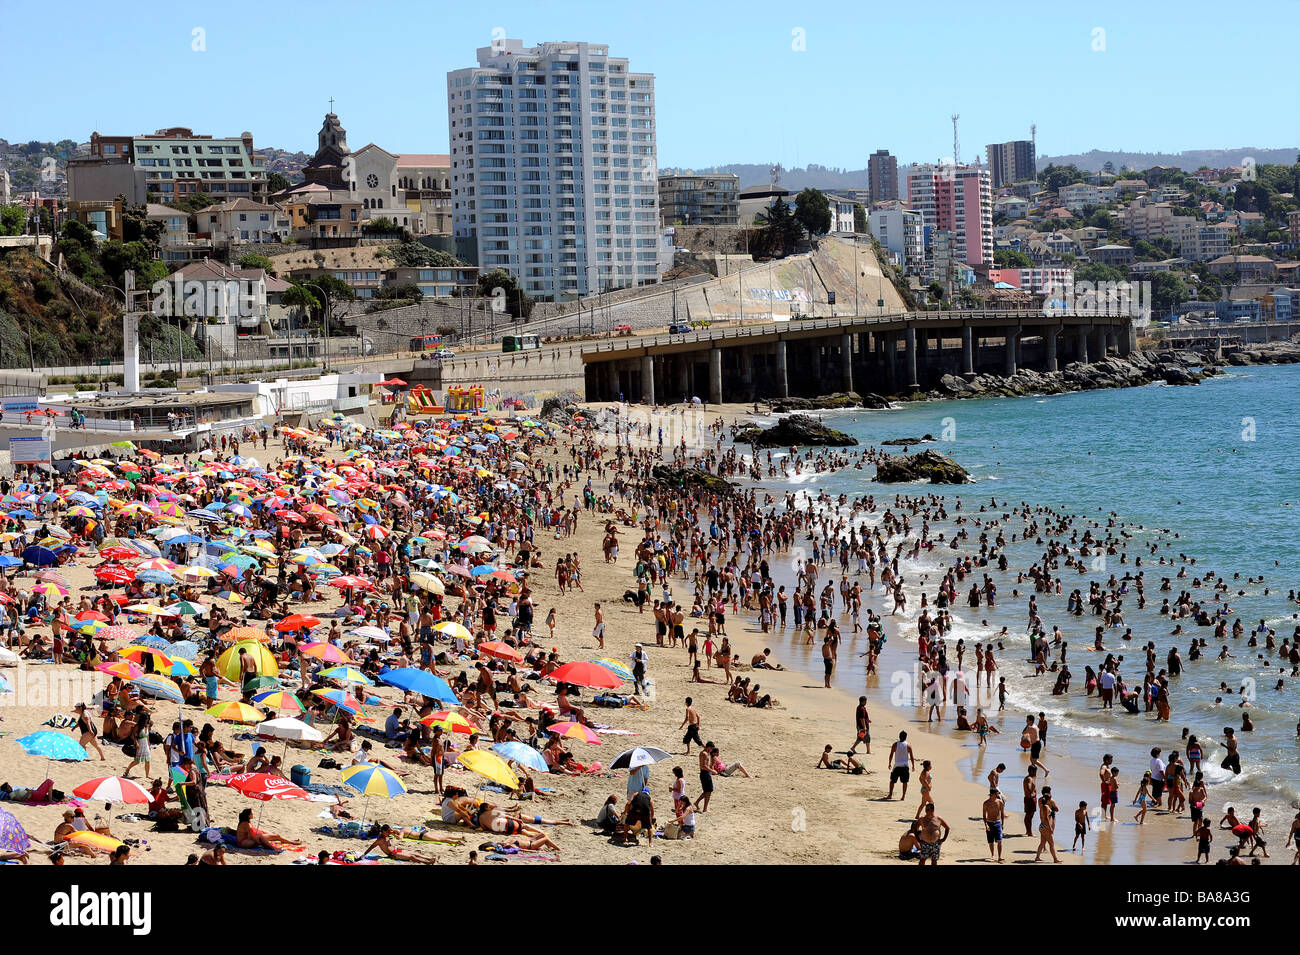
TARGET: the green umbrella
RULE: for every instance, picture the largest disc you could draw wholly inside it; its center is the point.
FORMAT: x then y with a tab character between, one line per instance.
260	683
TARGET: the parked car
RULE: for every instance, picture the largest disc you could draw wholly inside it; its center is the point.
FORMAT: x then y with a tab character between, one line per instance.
679	329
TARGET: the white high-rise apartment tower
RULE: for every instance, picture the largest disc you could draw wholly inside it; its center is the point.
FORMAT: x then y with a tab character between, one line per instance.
554	175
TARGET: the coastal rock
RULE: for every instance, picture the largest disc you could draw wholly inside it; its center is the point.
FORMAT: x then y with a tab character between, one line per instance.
840	399
797	429
908	442
1178	375
926	465
668	478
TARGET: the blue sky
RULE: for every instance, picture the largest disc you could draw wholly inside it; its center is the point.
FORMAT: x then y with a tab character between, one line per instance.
731	84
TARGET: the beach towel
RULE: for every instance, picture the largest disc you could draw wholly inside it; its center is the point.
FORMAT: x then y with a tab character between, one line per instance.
326	789
60	721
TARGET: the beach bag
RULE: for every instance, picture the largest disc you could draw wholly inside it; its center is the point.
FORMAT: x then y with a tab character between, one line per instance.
128	747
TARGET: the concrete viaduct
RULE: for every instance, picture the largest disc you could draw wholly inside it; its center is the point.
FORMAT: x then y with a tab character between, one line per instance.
892	354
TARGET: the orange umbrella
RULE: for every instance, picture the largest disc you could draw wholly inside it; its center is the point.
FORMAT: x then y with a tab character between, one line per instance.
236	634
500	650
298	621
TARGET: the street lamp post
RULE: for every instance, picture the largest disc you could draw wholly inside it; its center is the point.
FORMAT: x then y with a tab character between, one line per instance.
327	326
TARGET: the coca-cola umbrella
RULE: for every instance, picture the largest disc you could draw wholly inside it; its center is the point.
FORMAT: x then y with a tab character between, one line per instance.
265	787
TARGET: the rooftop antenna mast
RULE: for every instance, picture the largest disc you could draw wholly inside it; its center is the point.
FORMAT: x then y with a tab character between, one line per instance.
956	147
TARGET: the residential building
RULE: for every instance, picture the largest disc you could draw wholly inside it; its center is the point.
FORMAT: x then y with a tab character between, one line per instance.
179	163
1293	227
1149	220
435	282
1277	306
956	199
242	220
1244	268
1118	256
945	263
758	199
882	176
324	217
179	244
842	219
1234	310
1013	207
553	167
901	233
1204	243
1034	280
706	199
100	215
424	185
226	296
1012	162
1077	196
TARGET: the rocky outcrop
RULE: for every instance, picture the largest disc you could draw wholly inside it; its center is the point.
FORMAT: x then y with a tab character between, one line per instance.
924	466
796	430
667	478
1141	368
838	400
908	442
1272	353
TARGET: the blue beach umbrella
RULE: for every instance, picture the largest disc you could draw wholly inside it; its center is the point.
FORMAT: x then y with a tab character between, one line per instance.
52	745
160	687
523	754
420	681
40	556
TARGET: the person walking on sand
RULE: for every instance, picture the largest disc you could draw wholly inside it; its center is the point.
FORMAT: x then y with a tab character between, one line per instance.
598	631
994	814
828	659
692	723
901	761
1046	825
863	722
1081	826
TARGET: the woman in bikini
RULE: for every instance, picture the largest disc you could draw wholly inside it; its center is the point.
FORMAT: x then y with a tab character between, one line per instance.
1046	824
385	845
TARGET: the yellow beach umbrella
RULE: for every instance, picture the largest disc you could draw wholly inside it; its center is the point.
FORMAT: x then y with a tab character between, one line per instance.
490	766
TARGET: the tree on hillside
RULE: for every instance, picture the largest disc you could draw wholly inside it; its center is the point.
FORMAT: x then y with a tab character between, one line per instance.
500	286
252	260
1011	259
1097	272
780	229
116	257
13	220
813	210
859	219
276	183
411	255
1168	291
1053	177
138	227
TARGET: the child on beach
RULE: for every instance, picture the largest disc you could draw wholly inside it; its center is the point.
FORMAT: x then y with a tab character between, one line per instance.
1142	798
1081	827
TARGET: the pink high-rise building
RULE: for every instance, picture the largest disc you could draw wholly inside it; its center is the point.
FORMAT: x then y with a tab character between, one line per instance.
956	199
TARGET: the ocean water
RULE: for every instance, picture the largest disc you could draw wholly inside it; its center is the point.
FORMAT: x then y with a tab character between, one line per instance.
1217	465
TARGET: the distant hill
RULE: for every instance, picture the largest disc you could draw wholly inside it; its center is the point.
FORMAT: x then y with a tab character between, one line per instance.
1189	160
811	176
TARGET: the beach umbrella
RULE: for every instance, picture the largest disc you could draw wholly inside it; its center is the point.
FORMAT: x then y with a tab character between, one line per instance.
160	687
574	730
451	630
13	837
370	779
298	621
323	651
374	634
490	766
451	722
123	668
234	712
185	608
279	700
500	650
8	560
115	575
420	681
347	674
265	787
429	583
618	668
182	668
523	754
587	674
118	632
289	728
339	698
184	650
47	587
148	640
639	756
52	746
138	652
113	789
40	556
155	577
241	634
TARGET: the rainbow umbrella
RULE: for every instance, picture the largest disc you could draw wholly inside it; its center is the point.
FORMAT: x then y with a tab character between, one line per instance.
233	711
324	651
451	722
279	700
614	665
347	674
123	668
451	630
160	687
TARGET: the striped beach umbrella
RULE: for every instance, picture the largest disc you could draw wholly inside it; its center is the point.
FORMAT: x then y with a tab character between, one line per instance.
113	789
160	687
347	674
